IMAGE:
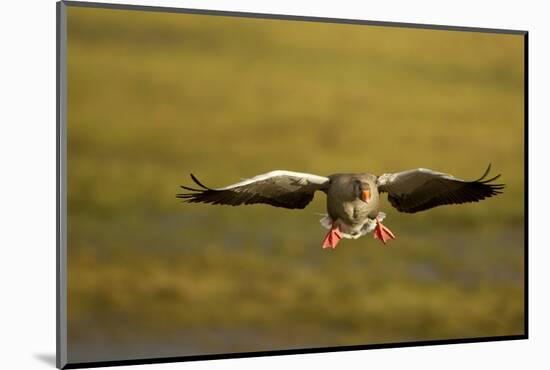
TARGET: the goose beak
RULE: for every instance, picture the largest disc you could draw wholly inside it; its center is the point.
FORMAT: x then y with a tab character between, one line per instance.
365	196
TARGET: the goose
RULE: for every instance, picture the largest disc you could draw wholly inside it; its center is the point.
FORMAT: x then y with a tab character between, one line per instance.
352	199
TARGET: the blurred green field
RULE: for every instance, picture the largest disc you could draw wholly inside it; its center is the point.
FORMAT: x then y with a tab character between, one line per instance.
154	96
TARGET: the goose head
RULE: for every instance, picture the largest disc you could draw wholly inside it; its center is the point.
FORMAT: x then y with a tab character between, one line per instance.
362	190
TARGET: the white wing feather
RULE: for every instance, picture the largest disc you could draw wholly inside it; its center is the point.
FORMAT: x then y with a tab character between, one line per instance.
314	179
403	182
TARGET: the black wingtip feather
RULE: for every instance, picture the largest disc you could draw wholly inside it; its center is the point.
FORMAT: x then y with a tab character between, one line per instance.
489	180
199	183
484	174
188	188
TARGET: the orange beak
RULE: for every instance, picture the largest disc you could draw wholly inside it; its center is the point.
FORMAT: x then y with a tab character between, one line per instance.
365	196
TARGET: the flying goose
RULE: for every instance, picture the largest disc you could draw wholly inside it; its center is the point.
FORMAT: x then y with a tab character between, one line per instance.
353	199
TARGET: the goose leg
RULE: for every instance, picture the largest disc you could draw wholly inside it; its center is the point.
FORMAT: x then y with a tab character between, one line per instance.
382	233
332	238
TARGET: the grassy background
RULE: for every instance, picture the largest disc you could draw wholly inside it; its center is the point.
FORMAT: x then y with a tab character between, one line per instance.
154	96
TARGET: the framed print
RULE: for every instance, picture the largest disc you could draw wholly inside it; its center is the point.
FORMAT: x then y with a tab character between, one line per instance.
235	184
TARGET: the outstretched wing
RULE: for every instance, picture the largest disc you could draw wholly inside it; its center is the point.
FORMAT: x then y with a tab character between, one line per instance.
420	189
278	188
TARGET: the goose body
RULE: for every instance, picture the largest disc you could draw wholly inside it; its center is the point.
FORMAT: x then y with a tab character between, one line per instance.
352	199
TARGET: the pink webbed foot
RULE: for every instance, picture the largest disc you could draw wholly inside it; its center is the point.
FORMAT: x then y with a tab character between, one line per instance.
382	233
332	238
